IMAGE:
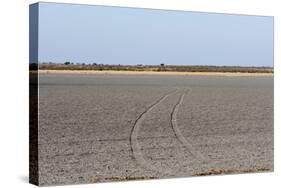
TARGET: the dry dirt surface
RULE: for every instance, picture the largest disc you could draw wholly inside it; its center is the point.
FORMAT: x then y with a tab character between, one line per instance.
99	128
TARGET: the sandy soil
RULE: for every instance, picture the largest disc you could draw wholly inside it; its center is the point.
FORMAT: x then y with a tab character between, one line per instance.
96	128
151	73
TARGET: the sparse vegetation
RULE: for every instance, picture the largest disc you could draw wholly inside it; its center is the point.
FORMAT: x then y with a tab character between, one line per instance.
231	171
157	68
120	178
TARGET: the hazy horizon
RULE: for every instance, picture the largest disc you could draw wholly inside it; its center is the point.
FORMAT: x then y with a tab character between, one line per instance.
131	36
74	63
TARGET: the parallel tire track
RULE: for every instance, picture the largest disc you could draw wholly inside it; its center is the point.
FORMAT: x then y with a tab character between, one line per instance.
135	147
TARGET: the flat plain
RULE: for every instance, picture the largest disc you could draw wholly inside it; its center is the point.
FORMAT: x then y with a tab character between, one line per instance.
110	127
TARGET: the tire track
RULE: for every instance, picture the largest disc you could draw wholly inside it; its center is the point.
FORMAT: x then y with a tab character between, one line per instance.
186	142
135	147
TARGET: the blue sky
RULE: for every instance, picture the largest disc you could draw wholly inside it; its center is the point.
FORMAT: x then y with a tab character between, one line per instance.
114	35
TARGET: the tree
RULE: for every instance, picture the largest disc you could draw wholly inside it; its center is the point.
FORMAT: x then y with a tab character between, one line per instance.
67	63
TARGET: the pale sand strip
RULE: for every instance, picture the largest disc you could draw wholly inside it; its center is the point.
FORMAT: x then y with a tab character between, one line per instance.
152	73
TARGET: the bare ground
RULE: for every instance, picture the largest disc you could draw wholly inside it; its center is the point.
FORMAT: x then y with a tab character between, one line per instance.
97	128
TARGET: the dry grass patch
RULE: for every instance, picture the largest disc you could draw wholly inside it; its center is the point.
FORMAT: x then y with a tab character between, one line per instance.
231	171
119	178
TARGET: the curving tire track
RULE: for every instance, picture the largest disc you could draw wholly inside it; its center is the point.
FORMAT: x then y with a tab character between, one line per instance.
135	147
186	142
